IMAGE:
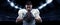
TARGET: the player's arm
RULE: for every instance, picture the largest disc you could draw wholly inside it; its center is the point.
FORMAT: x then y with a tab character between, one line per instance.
37	17
19	18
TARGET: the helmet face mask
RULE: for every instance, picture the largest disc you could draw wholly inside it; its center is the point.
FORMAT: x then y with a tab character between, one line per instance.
28	5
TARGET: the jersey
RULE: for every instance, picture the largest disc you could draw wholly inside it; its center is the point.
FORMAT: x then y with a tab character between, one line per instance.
35	13
28	17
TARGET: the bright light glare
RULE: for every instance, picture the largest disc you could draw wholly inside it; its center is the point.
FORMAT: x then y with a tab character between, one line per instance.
48	1
16	7
43	5
12	4
8	0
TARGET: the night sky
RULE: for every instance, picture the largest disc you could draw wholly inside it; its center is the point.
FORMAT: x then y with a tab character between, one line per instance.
49	13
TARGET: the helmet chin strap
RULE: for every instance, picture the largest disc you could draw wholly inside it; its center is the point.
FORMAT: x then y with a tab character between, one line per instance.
28	10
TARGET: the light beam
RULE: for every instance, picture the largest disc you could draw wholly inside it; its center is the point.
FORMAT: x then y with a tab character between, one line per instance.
16	7
13	5
43	5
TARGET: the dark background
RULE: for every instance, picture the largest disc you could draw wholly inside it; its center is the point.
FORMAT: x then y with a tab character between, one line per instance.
49	13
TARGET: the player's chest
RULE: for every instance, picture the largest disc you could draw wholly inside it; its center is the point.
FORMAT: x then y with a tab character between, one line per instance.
32	12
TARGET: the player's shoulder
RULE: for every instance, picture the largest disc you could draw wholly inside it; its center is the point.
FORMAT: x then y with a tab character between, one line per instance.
35	10
22	10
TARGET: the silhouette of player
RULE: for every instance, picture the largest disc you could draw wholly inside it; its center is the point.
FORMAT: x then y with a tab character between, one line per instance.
28	15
